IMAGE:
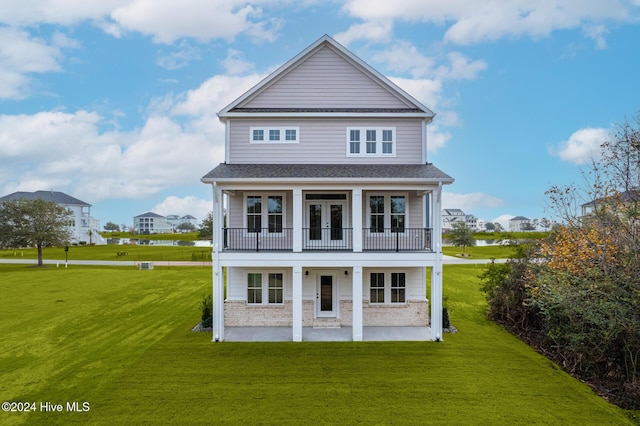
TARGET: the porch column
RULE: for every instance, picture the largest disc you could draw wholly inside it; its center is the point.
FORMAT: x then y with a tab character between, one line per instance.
297	220
436	275
297	304
356	219
357	303
218	280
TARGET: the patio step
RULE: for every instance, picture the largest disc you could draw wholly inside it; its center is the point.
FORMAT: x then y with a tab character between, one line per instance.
326	323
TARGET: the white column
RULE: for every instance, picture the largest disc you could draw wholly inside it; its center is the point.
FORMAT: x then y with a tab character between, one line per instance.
436	275
218	279
356	219
297	304
297	220
357	303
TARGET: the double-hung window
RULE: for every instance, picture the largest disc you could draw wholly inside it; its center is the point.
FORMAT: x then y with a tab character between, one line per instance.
274	135
270	291
377	287
265	209
387	212
387	287
371	141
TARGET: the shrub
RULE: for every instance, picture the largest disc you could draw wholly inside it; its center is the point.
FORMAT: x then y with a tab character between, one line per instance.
206	306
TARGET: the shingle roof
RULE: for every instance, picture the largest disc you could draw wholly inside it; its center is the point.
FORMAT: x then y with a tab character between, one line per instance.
54	196
318	110
230	172
149	214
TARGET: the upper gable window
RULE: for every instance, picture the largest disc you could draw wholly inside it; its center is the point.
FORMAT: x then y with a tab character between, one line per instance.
272	135
368	142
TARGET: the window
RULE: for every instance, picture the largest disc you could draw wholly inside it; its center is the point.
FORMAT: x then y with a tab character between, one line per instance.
274	204
377	287
275	288
376	204
254	288
271	135
398	287
393	293
254	213
265	213
265	288
354	142
388	212
378	141
397	213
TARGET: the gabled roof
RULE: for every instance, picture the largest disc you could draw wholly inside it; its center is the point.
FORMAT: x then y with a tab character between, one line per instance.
453	212
413	107
343	172
150	214
188	216
54	196
519	218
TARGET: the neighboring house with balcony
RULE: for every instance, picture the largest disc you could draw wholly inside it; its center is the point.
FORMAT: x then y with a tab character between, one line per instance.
333	209
452	216
151	223
520	224
84	229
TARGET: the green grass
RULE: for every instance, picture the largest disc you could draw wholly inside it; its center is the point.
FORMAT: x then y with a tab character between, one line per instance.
129	252
188	236
483	252
121	341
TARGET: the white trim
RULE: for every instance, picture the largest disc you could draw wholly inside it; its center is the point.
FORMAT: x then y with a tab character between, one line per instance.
282	138
387	286
387	208
265	286
264	214
334	313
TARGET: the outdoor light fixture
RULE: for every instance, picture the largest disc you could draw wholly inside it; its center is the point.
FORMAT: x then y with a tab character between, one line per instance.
306	273
346	273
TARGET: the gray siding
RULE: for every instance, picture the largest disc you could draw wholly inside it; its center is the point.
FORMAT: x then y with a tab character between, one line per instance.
325	80
322	140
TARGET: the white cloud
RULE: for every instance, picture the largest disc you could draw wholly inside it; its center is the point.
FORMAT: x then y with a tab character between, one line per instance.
503	220
234	64
470	202
377	31
472	21
582	147
22	55
194	206
179	58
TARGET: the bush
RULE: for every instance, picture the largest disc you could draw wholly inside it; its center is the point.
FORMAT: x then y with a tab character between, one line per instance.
206	306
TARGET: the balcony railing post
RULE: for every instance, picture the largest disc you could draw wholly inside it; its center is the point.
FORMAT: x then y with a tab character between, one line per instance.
397	240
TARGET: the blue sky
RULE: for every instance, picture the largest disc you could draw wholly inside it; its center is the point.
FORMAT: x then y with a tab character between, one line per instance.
114	101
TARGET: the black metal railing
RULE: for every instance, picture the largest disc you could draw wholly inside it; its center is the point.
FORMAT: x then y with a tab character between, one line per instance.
327	239
265	239
394	239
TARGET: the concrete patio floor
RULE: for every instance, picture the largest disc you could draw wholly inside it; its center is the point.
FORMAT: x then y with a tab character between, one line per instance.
310	334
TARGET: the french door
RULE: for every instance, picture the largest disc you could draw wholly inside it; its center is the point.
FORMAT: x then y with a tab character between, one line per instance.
325	228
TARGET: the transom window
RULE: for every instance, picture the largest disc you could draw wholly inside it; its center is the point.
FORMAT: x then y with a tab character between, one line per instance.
393	292
366	141
271	291
272	215
270	135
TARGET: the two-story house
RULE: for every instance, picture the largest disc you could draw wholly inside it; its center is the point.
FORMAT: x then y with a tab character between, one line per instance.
84	229
333	211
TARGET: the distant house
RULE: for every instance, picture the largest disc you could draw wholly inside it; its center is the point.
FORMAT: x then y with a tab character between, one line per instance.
151	223
84	228
334	210
619	199
520	224
452	216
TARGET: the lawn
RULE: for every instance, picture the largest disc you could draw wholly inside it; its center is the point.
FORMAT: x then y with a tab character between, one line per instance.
129	252
120	340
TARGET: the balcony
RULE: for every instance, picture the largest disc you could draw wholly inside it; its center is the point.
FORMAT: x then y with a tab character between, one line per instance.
327	239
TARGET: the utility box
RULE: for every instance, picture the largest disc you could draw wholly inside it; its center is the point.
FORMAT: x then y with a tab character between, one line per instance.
145	266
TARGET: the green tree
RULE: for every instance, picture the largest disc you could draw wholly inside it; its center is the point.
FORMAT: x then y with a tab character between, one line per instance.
206	227
28	223
461	235
112	227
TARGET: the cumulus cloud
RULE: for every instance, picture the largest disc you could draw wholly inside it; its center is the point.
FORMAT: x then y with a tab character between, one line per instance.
182	206
376	31
582	146
472	22
470	201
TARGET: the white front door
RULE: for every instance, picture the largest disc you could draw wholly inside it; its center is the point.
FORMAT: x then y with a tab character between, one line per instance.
326	225
326	295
